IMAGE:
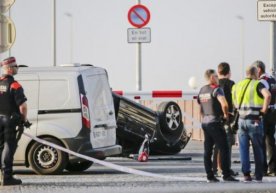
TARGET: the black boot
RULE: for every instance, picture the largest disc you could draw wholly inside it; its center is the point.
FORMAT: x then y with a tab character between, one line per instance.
11	181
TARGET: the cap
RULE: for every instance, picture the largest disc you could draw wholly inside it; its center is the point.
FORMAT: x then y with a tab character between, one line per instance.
11	61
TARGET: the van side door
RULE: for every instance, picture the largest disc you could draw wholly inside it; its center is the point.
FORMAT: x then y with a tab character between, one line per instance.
30	84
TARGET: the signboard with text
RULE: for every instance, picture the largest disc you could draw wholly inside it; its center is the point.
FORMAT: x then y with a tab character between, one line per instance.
138	35
266	10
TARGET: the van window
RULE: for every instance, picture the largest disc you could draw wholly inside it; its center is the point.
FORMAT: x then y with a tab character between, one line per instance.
54	94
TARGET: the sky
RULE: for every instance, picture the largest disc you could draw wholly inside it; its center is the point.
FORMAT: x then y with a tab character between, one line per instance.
187	37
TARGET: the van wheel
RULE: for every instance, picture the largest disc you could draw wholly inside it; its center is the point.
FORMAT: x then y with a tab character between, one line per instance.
47	160
78	167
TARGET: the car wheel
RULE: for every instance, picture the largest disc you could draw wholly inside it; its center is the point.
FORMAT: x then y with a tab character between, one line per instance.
170	116
170	129
47	160
78	167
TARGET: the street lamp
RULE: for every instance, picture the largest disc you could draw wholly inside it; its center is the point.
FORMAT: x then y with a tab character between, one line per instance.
69	15
10	18
54	42
239	17
272	47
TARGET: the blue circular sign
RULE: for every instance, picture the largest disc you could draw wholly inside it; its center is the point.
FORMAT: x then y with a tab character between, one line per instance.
138	16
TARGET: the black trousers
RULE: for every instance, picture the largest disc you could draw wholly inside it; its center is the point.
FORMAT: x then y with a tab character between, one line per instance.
230	141
269	148
214	134
7	145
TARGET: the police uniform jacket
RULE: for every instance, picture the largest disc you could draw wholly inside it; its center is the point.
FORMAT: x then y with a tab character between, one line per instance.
11	95
210	106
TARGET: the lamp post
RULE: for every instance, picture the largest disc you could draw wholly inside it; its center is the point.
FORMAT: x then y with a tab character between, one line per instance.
54	42
272	48
239	17
10	18
70	16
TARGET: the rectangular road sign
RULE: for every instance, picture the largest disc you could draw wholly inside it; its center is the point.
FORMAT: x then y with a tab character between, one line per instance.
266	10
138	35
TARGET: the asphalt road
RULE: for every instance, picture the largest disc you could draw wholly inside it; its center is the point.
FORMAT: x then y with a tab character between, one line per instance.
99	179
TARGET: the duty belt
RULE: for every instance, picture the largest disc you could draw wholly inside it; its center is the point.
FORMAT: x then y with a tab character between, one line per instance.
271	106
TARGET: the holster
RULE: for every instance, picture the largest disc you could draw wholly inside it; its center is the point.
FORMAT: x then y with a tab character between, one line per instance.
16	119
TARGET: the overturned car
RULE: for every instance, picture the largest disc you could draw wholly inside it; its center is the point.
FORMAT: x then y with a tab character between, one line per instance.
164	127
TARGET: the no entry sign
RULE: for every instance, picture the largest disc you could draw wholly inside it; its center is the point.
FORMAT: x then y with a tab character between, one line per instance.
138	16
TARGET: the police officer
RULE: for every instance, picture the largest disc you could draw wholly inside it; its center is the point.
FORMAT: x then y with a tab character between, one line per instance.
269	149
12	105
214	108
251	98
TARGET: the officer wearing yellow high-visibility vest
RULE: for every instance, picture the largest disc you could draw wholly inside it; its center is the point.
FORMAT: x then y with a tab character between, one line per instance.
252	98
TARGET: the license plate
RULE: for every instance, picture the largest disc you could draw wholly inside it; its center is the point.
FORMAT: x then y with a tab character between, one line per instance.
100	133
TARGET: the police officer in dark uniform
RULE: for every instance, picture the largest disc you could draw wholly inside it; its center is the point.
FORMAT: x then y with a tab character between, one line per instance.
269	148
13	109
214	109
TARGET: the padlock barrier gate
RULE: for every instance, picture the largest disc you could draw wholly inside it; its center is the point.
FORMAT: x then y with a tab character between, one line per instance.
115	166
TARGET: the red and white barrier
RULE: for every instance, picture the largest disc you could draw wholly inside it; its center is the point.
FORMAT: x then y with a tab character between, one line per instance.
158	94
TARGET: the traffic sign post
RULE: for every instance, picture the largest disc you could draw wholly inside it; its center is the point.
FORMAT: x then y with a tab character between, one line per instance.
138	16
267	12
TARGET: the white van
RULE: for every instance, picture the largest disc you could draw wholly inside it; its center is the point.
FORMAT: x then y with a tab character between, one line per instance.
70	106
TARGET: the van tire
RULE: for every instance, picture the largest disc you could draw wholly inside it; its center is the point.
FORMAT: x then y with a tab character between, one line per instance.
78	167
47	160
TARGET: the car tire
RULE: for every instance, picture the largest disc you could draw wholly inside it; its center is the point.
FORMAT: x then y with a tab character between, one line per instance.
170	129
45	159
79	167
170	117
